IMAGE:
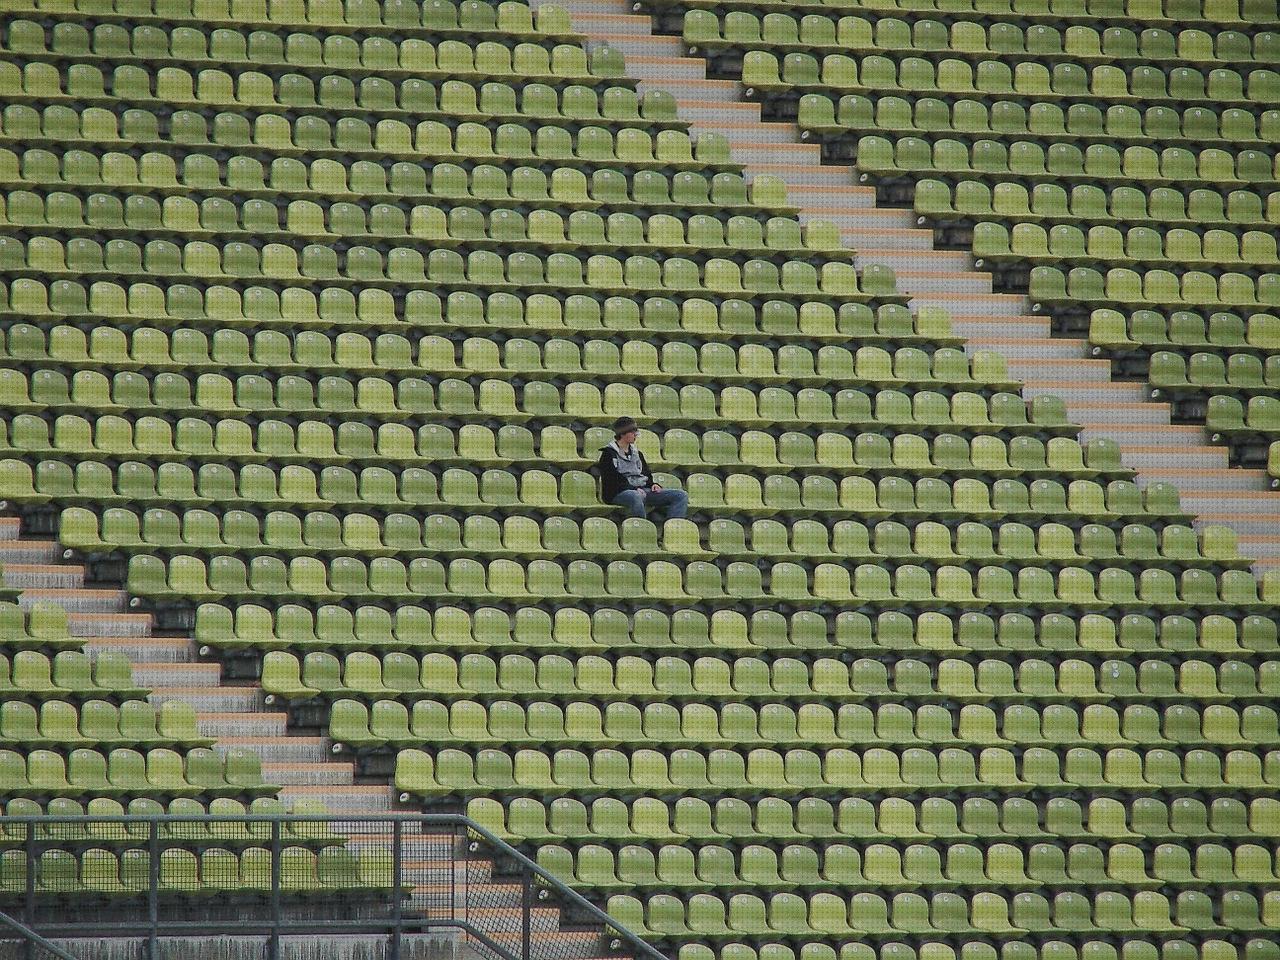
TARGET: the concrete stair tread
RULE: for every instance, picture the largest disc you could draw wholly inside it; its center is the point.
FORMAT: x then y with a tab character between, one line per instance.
68	592
961	297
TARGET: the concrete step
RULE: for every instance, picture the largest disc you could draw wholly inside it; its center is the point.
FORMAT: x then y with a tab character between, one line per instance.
10	527
1103	391
110	625
212	699
750	131
1157	457
707	112
996	332
1252	504
826	202
339	799
1170	437
891	240
972	304
751	151
863	216
310	774
725	91
29	551
1260	546
921	272
599	8
76	601
146	649
264	724
1030	348
1200	480
1034	370
44	576
666	68
601	23
308	751
1243	522
162	675
797	174
634	44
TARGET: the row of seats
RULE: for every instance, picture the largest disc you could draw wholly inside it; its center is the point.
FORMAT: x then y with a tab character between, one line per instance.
614	107
894	443
564	186
563	537
583	228
503	722
666	917
42	626
540	491
58	723
883	866
313	440
470	17
1087	203
249	871
795	279
815	820
1043	500
151	436
194	832
909	157
472	142
1228	415
376	628
157	772
1216	12
1113	330
31	673
1121	285
876	30
1178	246
560	62
749	677
1236	373
699	581
557	357
762	71
855	113
840	771
1168	948
337	307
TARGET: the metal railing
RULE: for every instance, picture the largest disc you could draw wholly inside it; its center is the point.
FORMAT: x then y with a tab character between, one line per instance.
31	940
271	876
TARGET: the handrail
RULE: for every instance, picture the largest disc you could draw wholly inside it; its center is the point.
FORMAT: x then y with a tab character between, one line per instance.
640	947
32	937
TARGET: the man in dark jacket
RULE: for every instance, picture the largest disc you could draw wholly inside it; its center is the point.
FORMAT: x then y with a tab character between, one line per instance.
626	479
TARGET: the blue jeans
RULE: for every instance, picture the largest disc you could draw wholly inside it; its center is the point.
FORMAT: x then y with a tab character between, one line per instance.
666	504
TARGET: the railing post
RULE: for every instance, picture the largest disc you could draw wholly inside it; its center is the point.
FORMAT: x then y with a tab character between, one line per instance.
153	889
397	878
29	901
273	944
526	910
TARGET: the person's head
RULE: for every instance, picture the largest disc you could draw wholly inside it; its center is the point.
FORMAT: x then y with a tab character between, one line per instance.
625	430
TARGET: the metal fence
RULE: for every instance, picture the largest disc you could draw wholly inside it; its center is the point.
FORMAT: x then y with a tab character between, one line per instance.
271	876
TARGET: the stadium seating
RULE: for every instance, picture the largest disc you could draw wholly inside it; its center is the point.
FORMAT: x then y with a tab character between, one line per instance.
316	315
1118	158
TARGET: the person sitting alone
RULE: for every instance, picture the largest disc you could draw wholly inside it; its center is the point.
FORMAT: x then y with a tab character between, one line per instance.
627	481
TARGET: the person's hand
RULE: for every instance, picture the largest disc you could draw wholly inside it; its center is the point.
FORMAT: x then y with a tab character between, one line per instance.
655	488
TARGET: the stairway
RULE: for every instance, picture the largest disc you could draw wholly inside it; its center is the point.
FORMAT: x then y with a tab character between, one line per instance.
169	667
1001	322
443	885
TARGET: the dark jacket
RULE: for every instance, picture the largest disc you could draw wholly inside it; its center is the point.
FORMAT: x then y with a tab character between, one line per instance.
618	473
